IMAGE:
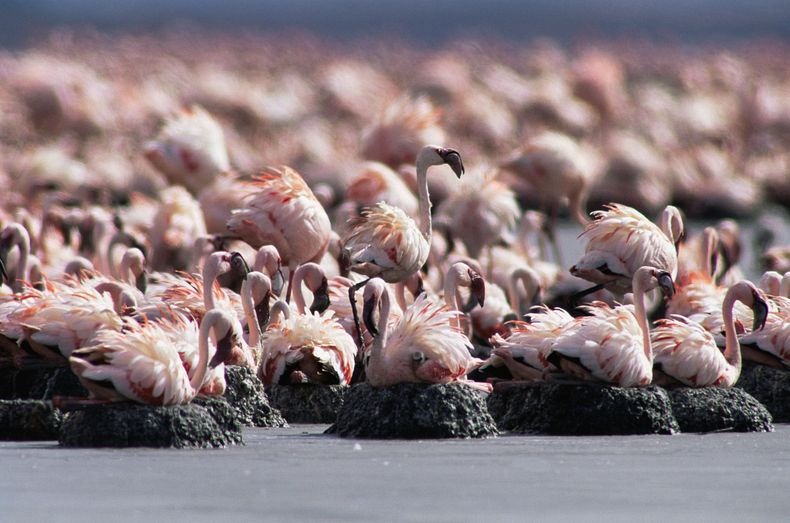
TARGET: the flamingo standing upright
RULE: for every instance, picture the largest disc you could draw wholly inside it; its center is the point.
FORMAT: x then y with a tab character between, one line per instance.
285	213
685	353
424	347
613	344
384	242
556	168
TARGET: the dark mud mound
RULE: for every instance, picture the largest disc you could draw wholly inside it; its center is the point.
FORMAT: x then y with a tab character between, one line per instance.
769	386
246	396
132	425
40	384
414	411
308	403
580	409
713	409
28	420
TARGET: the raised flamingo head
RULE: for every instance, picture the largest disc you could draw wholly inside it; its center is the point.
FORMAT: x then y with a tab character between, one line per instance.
672	224
238	264
648	278
221	324
260	288
748	294
314	277
133	264
435	155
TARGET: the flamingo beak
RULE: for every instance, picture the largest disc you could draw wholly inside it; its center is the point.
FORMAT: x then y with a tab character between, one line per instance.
666	284
239	264
3	272
141	282
477	296
263	311
278	281
368	310
453	159
321	298
760	309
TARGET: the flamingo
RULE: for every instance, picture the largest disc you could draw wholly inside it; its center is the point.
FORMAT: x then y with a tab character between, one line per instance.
480	211
178	220
190	149
307	347
685	353
523	351
503	305
620	240
556	168
386	243
613	344
285	213
143	363
424	347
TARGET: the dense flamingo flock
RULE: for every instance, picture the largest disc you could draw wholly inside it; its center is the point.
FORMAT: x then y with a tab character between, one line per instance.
323	216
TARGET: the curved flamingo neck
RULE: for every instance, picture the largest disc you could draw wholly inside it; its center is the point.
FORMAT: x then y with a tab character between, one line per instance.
248	304
711	244
297	289
732	347
21	238
423	162
451	284
784	287
376	363
577	203
529	279
210	273
280	308
202	366
641	315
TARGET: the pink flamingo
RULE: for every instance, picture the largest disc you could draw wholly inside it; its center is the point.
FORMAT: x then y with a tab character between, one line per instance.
620	240
285	213
143	364
612	345
684	353
386	243
424	347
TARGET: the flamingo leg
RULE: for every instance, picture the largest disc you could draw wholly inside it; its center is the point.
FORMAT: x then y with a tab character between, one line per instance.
352	291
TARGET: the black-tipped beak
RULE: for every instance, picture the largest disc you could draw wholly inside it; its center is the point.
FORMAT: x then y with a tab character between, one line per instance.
321	298
477	295
760	310
368	310
263	312
3	272
278	281
238	264
141	282
453	159
666	284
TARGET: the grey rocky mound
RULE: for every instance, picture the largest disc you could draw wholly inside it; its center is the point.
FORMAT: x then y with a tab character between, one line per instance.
307	403
28	420
414	411
581	409
713	409
246	396
133	425
769	386
40	384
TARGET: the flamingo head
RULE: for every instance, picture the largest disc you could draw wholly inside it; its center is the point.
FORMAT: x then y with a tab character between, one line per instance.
238	264
374	290
665	283
320	297
267	259
759	308
452	158
477	287
224	335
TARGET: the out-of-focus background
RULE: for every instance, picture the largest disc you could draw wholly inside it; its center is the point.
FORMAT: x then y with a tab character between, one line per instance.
419	20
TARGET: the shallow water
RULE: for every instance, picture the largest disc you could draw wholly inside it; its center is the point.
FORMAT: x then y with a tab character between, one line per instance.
300	474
